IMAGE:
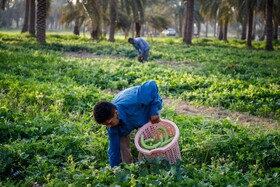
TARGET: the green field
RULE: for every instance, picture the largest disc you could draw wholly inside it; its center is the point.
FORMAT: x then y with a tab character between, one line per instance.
47	93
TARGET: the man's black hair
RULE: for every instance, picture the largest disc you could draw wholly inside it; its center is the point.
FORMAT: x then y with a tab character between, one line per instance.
130	40
103	111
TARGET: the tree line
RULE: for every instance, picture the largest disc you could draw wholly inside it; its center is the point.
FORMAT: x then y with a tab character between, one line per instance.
147	17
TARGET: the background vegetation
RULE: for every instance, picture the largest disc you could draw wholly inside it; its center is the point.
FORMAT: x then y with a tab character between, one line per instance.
244	19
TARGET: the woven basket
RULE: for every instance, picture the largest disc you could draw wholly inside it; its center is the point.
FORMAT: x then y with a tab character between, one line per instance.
171	152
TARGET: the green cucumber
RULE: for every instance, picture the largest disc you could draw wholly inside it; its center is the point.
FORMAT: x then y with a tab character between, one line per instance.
164	130
148	147
167	142
149	141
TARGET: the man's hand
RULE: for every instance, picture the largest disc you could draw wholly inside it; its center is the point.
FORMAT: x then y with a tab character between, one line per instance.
140	58
155	119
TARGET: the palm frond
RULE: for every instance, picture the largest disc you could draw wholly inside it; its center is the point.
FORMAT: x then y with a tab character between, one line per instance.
159	22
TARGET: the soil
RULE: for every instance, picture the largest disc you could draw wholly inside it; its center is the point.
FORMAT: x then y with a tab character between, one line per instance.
184	108
244	119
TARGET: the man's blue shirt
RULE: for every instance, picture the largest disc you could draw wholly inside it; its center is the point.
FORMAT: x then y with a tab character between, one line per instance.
141	45
135	106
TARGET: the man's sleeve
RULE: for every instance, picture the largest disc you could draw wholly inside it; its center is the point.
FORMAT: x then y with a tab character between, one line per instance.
114	149
142	45
149	96
138	51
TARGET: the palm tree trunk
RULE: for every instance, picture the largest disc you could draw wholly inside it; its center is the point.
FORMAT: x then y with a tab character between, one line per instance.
206	29
132	28
189	22
198	28
254	26
263	34
215	27
225	29
76	30
41	21
275	32
113	18
32	18
95	33
180	29
186	23
126	33
221	34
250	27
244	30
26	17
93	10
269	28
137	29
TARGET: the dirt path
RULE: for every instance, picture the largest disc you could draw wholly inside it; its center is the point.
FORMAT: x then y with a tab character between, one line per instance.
244	119
84	54
182	107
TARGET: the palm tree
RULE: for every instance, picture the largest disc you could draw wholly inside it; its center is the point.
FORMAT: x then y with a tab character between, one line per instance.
158	22
113	19
225	15
252	6
250	9
179	10
220	11
93	9
221	31
77	22
156	18
134	11
105	16
241	17
269	26
138	15
124	22
137	9
209	11
29	17
41	21
189	16
244	24
73	12
26	17
198	19
32	12
276	18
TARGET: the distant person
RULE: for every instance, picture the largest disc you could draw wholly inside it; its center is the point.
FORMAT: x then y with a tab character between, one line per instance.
142	48
130	109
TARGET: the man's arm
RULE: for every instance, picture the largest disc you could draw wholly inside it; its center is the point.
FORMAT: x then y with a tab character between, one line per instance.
142	46
114	149
136	46
149	96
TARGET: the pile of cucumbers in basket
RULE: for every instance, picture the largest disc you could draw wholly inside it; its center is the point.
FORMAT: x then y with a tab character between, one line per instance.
153	143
